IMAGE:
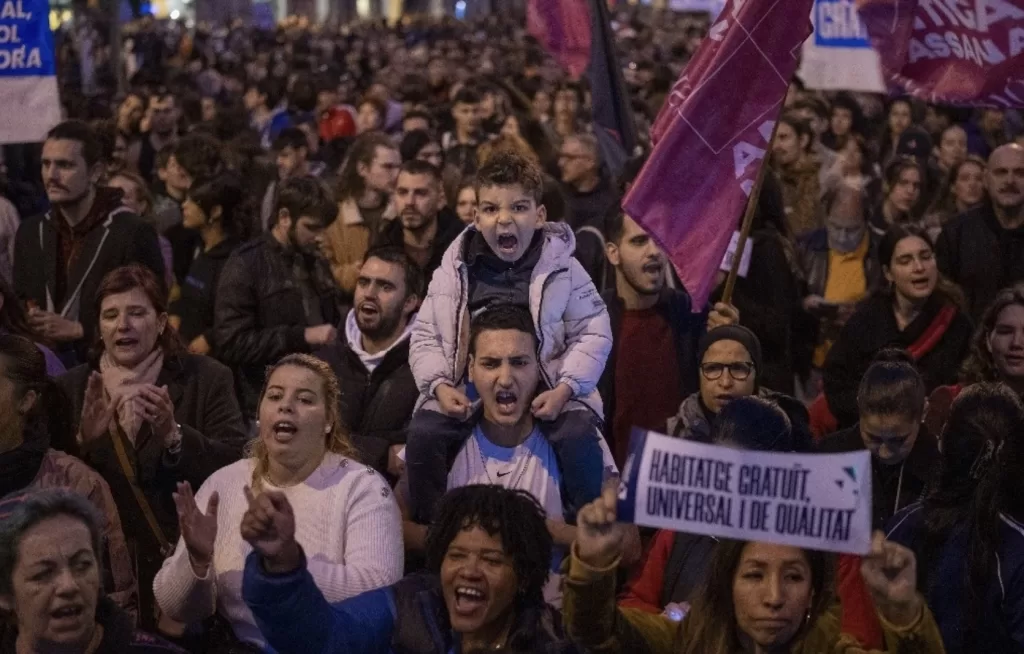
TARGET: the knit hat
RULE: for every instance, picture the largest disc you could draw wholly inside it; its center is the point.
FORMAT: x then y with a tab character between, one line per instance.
915	142
737	333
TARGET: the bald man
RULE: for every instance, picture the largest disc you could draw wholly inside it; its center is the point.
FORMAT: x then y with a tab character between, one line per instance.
983	250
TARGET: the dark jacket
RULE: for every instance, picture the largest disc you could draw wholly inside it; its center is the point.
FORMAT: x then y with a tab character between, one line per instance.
590	208
893	487
767	299
999	616
687	328
409	617
119	635
872	328
448	228
259	315
195	307
376	407
117	241
212	437
980	256
811	329
693	421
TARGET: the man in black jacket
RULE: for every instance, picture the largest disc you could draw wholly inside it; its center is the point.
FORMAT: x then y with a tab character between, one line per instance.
983	250
61	257
276	296
655	325
371	359
423	228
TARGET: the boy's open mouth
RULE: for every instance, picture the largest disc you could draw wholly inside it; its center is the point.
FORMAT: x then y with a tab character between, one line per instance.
508	243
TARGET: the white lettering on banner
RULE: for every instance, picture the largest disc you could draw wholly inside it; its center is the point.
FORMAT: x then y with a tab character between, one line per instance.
961	46
839	20
9	34
975	15
805	500
16	59
744	154
1016	41
14	9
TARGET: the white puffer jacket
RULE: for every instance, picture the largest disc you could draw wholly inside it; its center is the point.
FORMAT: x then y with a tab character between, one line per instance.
573	328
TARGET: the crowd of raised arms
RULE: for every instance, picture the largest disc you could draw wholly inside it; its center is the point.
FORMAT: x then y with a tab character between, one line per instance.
332	339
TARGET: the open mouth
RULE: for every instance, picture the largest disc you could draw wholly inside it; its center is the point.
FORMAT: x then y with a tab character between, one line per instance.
126	342
67	612
284	429
508	243
368	309
653	268
506	401
921	283
469	600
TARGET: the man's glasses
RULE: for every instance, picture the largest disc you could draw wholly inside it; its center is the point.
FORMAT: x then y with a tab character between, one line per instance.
738	371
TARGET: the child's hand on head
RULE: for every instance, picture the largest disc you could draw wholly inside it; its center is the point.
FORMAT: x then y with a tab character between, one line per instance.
548	404
453	402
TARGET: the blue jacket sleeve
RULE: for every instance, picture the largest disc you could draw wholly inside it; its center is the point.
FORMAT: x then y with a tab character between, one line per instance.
293	615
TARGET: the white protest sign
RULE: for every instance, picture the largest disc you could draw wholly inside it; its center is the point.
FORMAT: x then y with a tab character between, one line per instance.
814	501
28	72
734	244
838	55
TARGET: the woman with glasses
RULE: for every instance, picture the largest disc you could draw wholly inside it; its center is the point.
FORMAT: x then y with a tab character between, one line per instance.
730	359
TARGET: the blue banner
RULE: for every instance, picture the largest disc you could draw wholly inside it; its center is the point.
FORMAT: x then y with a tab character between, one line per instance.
837	25
26	44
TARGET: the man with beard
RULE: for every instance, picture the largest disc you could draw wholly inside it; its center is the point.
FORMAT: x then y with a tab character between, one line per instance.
424	227
983	250
653	324
276	295
162	118
371	360
61	257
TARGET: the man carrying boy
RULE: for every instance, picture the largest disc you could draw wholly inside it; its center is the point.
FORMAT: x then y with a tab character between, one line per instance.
510	257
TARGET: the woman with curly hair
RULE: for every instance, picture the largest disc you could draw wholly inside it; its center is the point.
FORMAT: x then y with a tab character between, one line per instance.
487	559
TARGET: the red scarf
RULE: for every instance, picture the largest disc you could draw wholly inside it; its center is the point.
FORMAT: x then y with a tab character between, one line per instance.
927	341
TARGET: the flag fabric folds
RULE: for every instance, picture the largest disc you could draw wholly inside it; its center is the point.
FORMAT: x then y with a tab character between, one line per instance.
948	52
713	134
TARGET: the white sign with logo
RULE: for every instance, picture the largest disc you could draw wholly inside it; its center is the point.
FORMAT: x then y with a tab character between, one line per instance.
838	55
814	501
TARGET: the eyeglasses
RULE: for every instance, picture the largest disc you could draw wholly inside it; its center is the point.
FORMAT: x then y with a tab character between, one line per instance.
738	371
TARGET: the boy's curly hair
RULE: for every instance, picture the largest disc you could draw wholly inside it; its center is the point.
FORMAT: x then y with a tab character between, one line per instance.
508	167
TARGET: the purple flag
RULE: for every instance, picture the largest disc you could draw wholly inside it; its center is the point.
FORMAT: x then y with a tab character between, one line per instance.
713	134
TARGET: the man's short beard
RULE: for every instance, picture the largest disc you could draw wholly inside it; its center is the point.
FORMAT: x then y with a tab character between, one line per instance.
640	290
387	327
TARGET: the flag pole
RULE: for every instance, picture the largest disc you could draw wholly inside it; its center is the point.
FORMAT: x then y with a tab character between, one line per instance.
748	217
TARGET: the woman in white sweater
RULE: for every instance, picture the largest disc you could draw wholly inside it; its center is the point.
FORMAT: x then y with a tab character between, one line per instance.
346	517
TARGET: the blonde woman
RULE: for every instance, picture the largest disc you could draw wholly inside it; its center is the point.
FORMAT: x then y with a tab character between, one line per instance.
346	518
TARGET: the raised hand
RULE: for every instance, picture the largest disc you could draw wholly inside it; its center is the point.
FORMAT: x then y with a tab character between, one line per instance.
599	538
97	410
158	410
198	530
890	573
269	526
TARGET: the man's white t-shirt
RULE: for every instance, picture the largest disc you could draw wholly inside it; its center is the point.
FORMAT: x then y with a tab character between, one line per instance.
531	467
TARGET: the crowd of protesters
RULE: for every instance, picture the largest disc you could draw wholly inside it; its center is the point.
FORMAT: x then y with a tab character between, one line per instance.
332	339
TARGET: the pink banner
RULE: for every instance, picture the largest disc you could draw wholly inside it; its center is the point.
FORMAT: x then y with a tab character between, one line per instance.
950	51
712	135
563	28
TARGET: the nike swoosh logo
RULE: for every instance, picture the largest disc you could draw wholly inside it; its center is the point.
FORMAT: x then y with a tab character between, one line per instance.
504	474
